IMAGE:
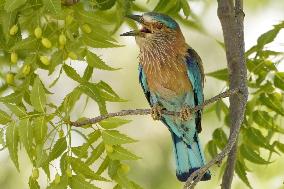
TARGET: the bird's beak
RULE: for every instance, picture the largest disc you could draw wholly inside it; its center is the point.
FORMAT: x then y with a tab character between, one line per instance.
136	18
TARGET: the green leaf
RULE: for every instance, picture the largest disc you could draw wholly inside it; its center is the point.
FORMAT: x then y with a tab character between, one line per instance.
12	5
112	123
80	151
40	129
63	184
96	153
108	93
185	7
272	101
279	80
12	141
33	183
59	147
56	59
80	167
2	142
280	146
93	137
15	97
249	154
121	153
92	91
220	74
220	138
114	137
41	156
88	73
96	62
212	148
37	96
78	182
17	110
267	37
26	44
96	43
69	101
71	73
256	137
26	136
54	6
103	166
4	118
241	172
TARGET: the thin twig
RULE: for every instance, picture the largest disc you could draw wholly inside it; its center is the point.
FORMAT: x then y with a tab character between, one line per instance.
148	111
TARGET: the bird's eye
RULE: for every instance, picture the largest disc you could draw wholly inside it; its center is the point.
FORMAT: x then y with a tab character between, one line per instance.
159	25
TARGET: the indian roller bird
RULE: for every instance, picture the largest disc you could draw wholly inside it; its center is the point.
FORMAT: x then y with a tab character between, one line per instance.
171	76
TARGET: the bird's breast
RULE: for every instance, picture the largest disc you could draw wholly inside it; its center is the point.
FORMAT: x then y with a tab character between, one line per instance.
167	79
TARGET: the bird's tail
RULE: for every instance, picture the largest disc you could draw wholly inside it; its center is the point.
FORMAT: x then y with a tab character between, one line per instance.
188	158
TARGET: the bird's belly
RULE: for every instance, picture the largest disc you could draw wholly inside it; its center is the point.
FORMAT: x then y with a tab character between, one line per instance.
168	82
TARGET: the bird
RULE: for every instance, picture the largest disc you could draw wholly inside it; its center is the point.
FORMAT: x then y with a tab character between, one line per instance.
172	78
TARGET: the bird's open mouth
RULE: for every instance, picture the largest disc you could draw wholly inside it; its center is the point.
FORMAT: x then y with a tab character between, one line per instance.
145	30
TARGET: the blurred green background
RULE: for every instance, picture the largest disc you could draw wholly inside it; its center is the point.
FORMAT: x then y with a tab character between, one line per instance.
156	169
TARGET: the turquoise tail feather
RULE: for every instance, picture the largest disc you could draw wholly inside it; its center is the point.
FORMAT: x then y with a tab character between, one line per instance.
188	158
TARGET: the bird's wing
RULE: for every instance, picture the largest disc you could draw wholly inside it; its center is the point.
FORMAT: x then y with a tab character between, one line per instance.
196	77
144	85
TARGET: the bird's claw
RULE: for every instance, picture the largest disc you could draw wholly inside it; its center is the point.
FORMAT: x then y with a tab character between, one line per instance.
156	112
185	113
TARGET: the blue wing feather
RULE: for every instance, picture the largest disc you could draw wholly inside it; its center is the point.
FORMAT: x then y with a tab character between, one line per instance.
144	85
195	74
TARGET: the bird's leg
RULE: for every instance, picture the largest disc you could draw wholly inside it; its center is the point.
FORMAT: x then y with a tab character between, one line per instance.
156	112
185	113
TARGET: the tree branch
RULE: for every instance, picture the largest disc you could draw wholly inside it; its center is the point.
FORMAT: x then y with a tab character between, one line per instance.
231	16
225	94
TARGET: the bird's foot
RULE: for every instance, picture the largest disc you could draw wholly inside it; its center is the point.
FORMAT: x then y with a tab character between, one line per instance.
156	112
185	113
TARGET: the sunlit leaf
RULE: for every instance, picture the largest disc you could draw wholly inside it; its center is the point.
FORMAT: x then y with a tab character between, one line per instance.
114	137
4	117
40	129
59	147
95	61
71	72
26	44
15	97
279	80
19	111
121	153
112	123
12	5
103	166
33	183
25	130
80	167
12	141
80	151
78	182
37	96
96	153
54	6
271	101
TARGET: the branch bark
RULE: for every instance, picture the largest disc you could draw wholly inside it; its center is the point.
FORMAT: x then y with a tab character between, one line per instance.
231	16
97	119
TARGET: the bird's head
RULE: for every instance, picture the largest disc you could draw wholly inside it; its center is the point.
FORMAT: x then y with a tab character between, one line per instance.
156	29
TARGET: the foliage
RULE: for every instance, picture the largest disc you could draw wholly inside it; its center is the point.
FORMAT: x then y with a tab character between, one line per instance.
45	36
263	111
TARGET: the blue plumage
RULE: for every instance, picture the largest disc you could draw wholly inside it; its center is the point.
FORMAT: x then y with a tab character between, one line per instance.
188	153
